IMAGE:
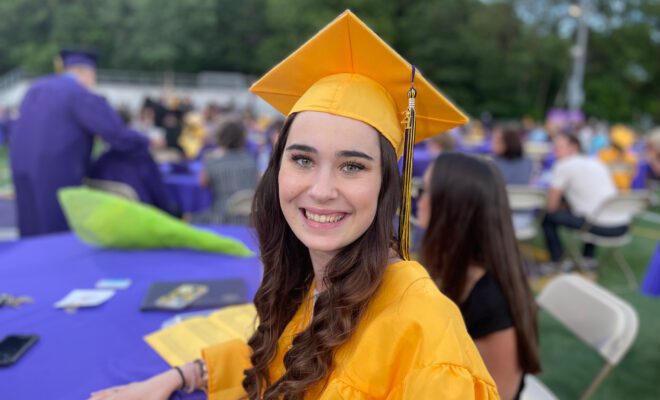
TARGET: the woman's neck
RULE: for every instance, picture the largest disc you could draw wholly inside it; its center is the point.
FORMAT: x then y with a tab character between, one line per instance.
320	260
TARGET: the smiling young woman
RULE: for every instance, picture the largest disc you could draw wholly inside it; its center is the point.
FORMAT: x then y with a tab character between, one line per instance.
324	222
342	314
329	180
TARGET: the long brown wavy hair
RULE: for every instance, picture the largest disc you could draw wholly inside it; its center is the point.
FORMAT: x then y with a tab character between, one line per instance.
470	224
352	278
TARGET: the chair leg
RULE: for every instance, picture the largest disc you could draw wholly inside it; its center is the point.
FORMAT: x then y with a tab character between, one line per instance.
602	374
573	253
625	268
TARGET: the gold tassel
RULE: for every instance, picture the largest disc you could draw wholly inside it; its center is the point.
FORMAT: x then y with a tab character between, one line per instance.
406	177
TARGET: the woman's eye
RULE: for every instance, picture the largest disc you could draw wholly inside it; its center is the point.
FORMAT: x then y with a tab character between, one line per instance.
352	168
302	161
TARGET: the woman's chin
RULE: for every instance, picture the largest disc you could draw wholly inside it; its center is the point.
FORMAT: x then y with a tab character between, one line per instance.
325	246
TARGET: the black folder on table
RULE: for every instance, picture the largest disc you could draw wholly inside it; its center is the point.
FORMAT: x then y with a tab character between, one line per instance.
221	293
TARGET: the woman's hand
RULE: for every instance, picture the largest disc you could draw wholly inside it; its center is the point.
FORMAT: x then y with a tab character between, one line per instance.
159	387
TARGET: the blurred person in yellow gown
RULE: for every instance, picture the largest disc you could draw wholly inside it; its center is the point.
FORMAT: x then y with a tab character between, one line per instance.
193	136
619	158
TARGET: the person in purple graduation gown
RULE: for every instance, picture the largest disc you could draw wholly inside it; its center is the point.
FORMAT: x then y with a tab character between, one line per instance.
52	140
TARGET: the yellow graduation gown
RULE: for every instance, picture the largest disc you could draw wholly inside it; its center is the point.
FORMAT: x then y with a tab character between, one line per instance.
410	344
622	166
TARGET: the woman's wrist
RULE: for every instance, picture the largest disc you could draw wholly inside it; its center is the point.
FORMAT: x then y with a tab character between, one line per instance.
190	373
194	376
170	380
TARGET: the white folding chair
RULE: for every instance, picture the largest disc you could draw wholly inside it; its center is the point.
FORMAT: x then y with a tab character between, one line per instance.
537	151
654	193
626	204
526	199
167	156
118	188
600	319
239	207
416	187
535	390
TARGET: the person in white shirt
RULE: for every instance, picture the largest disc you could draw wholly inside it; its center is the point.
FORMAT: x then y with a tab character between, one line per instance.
583	184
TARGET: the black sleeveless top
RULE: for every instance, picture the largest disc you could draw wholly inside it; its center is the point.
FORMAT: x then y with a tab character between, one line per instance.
486	311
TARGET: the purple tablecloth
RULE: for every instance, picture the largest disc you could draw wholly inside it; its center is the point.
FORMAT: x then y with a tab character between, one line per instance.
184	188
187	192
651	284
97	347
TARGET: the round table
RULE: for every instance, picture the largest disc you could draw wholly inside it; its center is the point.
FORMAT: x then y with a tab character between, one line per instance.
103	346
184	188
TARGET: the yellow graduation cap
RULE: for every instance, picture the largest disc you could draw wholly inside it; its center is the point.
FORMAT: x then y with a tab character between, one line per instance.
622	136
348	70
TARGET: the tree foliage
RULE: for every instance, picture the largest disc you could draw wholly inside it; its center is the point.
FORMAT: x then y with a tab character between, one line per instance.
509	57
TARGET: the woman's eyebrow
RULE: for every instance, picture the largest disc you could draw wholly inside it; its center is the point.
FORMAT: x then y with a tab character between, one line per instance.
302	147
354	153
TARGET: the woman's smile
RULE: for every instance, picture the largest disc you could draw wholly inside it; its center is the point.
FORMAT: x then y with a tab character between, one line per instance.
323	219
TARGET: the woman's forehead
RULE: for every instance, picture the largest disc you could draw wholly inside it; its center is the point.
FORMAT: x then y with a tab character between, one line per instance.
324	130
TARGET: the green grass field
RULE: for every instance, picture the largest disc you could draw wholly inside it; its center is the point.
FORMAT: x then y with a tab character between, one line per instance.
4	168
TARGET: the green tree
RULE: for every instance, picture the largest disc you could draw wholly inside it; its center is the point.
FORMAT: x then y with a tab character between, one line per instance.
508	57
483	56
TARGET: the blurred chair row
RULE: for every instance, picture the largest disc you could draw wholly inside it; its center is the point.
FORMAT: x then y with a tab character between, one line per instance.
600	319
239	205
530	200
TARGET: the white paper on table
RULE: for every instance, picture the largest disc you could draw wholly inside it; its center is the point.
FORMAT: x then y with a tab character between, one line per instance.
85	298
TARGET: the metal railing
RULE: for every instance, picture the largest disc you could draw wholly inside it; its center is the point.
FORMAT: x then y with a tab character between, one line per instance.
13	77
224	80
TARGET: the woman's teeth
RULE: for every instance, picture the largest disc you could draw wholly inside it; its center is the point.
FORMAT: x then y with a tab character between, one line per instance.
323	218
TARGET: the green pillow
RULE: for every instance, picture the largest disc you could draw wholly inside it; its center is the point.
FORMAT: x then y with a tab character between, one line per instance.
106	220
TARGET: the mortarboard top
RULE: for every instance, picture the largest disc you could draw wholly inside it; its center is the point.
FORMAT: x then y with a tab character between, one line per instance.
348	70
71	57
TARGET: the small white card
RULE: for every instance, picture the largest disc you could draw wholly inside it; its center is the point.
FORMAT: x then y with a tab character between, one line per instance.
113	283
85	298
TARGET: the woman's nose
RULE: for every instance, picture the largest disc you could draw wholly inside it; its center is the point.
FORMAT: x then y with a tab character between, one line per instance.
324	186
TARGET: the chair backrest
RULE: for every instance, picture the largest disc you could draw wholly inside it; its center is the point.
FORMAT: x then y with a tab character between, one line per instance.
654	189
417	184
167	156
627	204
536	150
525	198
118	188
602	320
239	204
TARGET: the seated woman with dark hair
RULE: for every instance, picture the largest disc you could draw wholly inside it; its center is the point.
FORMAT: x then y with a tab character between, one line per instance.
508	148
470	251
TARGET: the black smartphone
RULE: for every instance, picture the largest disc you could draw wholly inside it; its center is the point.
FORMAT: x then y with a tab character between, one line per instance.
13	347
